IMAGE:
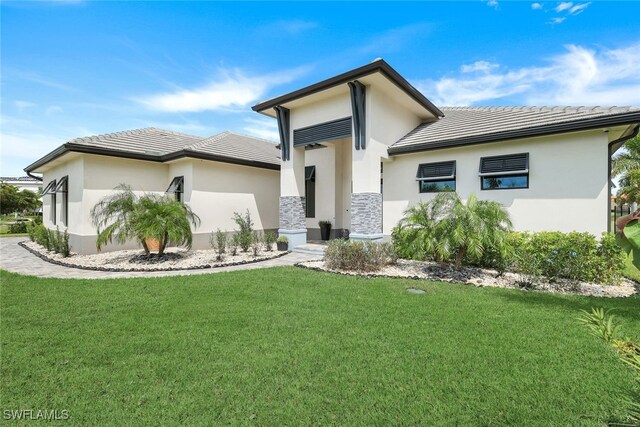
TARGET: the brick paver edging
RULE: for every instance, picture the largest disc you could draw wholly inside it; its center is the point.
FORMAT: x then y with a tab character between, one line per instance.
143	270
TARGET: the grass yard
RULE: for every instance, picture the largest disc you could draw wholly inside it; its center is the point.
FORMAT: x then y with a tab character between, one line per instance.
286	346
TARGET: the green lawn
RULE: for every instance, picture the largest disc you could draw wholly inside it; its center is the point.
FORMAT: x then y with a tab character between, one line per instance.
288	346
631	271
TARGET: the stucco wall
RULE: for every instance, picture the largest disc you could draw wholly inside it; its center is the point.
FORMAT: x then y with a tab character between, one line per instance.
567	182
214	191
220	189
74	169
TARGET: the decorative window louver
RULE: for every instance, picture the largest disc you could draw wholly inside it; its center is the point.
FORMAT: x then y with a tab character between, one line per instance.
62	186
328	131
176	187
50	188
310	173
436	171
512	164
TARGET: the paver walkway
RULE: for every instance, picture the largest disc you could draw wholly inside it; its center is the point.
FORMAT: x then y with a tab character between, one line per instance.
16	259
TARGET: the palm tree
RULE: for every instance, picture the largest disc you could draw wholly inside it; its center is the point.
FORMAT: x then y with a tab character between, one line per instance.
627	160
112	216
446	227
123	216
165	219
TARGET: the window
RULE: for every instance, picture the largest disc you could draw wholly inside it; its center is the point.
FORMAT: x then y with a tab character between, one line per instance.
504	172
437	177
63	188
50	190
310	191
177	188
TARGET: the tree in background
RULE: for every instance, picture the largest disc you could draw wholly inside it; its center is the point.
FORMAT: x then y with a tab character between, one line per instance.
12	200
626	165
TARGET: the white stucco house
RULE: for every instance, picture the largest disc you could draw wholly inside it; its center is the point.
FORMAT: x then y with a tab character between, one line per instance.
364	145
216	176
23	182
356	149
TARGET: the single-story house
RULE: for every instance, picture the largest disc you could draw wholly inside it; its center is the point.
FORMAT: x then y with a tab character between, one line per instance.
216	176
356	149
359	148
23	182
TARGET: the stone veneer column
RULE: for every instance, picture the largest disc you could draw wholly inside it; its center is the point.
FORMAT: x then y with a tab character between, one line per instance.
366	216
293	223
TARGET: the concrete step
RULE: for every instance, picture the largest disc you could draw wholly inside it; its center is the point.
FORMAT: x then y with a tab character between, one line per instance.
310	249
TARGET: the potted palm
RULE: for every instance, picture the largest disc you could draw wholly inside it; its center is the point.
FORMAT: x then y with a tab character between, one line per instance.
282	243
325	229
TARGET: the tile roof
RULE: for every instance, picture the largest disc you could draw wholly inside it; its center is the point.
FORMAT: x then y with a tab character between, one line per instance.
151	141
469	125
233	145
18	179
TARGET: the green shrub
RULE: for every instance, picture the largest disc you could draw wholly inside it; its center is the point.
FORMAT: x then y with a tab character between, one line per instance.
18	228
245	234
358	256
282	239
256	243
574	256
269	239
234	244
218	241
52	240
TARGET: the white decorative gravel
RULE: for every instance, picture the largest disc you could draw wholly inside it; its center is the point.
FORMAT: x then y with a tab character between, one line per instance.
134	259
485	277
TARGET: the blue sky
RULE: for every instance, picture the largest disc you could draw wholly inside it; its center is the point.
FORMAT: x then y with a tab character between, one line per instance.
76	68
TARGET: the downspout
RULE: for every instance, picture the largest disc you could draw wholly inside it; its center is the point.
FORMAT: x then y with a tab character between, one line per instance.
611	151
39	178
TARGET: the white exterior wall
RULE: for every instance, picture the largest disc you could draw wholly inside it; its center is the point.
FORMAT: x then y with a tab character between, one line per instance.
567	182
214	191
74	169
220	189
387	121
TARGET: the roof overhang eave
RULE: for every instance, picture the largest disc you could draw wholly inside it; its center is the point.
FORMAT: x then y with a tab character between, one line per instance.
575	126
85	149
377	66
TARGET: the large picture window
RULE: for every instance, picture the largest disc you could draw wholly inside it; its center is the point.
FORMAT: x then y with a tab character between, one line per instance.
177	188
310	191
50	190
437	177
504	172
63	189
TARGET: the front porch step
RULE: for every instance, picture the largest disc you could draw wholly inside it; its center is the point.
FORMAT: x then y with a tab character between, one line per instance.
310	249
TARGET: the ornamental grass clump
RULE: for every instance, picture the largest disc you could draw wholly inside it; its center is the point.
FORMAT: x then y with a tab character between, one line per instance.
358	256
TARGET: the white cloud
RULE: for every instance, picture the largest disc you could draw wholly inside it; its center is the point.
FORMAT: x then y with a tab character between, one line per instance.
492	3
232	90
536	6
579	76
579	8
262	128
478	66
557	20
565	5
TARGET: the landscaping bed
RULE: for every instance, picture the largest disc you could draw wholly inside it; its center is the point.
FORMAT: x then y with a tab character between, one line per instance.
136	260
425	270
